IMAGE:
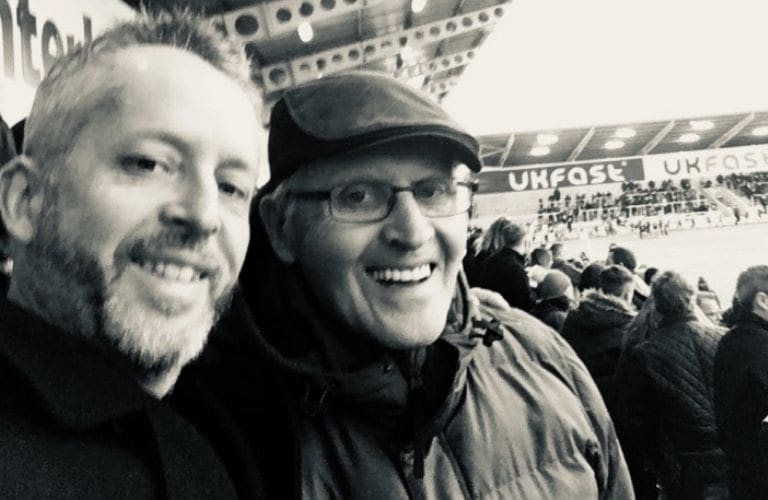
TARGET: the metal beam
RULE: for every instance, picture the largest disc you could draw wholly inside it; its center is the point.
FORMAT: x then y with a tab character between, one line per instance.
581	145
731	133
507	149
285	74
657	138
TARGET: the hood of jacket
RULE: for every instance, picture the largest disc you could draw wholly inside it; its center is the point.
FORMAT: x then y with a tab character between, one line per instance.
598	312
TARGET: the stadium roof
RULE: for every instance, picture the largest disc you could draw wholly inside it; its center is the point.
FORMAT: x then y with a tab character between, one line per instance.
426	42
624	139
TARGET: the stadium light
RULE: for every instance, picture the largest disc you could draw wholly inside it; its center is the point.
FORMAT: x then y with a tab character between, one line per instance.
546	139
760	131
689	137
614	144
700	125
625	133
306	33
418	5
540	151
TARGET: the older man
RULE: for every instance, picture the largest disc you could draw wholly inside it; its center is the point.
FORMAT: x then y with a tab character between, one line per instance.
741	387
128	214
388	381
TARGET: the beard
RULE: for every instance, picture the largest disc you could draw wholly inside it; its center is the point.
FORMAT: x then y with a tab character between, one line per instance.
79	295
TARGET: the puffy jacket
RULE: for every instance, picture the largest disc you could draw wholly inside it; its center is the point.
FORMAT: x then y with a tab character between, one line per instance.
500	408
664	394
741	403
595	330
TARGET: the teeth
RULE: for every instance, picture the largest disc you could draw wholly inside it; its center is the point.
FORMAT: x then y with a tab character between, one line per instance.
403	275
173	272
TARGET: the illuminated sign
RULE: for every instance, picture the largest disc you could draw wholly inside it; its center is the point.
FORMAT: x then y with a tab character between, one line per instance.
707	163
561	175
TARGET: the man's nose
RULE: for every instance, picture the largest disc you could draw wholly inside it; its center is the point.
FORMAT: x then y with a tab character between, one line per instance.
406	226
195	206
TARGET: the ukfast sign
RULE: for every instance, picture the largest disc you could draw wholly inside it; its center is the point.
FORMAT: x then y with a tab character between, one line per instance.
535	177
35	33
707	163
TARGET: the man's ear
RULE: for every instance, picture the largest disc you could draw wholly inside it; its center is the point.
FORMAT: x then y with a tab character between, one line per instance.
21	197
275	223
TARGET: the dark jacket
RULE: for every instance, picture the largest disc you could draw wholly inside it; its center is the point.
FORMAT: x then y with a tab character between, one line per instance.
664	394
741	403
595	330
570	270
74	424
517	418
552	311
504	272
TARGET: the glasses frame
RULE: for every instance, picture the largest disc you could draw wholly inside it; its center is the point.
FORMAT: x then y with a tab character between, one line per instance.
321	195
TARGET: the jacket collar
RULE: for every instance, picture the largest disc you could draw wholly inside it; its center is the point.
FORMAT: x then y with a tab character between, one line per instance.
76	381
752	319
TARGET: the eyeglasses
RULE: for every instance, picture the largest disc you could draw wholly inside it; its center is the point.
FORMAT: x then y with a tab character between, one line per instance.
371	201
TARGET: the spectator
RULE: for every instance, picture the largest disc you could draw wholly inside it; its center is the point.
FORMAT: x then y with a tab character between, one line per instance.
559	263
541	261
709	305
626	258
590	277
596	327
664	396
741	387
502	268
649	274
128	214
392	383
555	299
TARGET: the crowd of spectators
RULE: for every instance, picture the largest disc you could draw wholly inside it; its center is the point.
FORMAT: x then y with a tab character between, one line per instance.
753	186
635	200
687	407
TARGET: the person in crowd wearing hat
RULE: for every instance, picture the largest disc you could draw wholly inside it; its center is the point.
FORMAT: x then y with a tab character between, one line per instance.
502	266
377	374
741	387
597	326
663	393
127	211
556	297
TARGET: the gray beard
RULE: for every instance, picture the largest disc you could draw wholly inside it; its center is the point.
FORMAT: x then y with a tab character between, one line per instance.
69	289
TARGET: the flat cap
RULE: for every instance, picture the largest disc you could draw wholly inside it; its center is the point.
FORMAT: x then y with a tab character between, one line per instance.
350	111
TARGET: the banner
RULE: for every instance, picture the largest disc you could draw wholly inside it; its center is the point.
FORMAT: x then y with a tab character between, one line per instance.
35	33
560	175
706	163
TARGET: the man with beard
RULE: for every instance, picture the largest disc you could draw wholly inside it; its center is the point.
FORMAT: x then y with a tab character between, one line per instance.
373	373
127	211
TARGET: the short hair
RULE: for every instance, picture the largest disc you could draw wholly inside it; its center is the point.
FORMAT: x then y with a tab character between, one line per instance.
590	276
556	249
502	233
624	257
61	106
614	280
751	281
541	256
649	274
672	295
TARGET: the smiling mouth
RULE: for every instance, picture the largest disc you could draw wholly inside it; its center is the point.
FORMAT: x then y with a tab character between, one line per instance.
172	271
401	276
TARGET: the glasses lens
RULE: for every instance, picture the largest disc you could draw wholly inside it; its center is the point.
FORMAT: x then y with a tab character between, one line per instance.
360	201
442	197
